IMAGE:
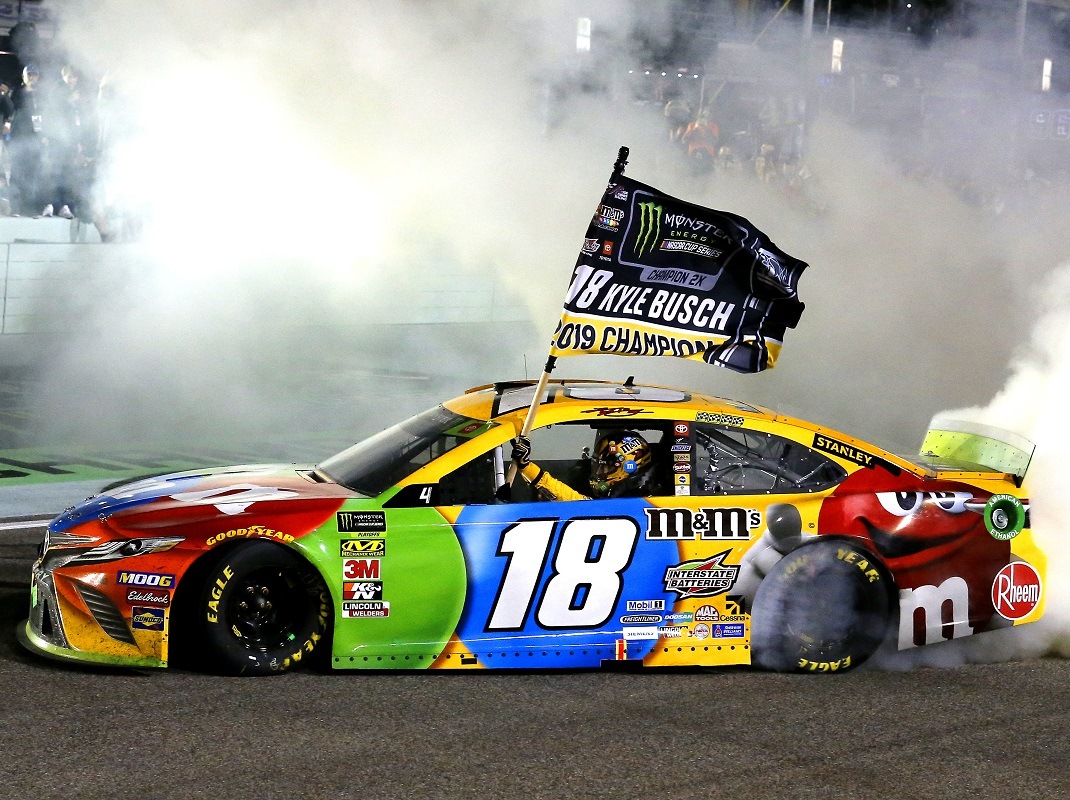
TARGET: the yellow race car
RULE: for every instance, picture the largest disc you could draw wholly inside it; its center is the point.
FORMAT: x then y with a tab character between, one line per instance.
686	530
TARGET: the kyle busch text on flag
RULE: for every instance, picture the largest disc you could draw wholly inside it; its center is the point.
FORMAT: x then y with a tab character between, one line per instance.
661	277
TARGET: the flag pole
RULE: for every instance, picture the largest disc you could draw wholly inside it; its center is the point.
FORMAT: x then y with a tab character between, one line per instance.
551	361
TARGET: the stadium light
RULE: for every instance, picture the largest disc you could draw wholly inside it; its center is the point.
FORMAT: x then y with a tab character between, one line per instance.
837	55
1045	76
583	35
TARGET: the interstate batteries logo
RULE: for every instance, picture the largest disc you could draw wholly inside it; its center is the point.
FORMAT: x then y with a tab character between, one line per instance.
702	577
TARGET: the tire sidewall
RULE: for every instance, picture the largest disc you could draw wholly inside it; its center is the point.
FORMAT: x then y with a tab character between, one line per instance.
837	575
225	650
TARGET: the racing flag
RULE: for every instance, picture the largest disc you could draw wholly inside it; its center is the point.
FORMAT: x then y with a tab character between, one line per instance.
661	277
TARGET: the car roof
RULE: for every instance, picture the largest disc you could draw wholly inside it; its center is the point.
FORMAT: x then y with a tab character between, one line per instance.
499	400
510	400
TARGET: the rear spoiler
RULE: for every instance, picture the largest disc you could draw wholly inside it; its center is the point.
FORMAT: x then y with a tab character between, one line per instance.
994	448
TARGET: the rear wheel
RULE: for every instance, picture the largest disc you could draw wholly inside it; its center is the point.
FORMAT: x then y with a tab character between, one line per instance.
825	607
261	609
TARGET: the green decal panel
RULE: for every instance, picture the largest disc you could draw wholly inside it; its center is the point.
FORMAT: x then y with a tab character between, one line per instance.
414	571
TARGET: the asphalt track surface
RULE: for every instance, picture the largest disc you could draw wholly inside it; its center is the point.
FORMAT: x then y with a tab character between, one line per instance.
993	731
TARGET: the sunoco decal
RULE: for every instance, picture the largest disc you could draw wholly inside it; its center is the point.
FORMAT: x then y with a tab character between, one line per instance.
702	577
147	619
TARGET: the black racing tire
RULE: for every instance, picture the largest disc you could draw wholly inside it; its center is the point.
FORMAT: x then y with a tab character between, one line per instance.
260	610
825	607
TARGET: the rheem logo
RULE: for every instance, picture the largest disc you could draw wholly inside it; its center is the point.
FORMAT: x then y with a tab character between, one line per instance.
1016	590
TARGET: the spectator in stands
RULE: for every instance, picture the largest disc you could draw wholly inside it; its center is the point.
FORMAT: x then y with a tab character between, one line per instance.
29	145
701	139
74	147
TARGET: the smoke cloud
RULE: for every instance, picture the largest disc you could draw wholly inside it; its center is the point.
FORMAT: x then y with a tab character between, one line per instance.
300	161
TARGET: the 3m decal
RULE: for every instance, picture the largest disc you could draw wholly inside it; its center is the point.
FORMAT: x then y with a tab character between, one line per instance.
844	451
702	577
361	521
157	580
374	548
1016	590
361	569
707	523
587	572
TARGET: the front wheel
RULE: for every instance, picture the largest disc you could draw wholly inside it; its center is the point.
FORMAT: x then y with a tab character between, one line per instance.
825	607
261	610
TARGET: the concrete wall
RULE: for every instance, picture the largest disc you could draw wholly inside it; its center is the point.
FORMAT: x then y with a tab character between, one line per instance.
54	272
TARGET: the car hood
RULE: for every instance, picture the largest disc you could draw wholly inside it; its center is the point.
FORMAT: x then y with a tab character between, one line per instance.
221	491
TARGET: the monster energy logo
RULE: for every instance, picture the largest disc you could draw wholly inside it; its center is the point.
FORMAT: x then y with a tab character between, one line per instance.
649	226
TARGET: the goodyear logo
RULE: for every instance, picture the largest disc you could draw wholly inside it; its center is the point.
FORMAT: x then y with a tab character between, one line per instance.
363	547
157	579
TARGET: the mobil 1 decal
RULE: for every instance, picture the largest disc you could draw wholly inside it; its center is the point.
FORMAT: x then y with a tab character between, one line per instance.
557	578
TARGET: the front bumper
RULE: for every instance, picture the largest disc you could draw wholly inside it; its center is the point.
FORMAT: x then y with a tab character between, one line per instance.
81	624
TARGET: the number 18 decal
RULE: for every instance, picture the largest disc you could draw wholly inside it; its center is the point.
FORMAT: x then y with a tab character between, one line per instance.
586	576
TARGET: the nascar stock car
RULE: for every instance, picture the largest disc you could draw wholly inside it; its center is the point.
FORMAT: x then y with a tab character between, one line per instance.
760	539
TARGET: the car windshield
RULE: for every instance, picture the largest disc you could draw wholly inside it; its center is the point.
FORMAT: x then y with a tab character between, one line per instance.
380	461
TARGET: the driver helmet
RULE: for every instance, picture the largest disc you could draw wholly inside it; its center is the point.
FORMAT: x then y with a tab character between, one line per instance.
618	457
